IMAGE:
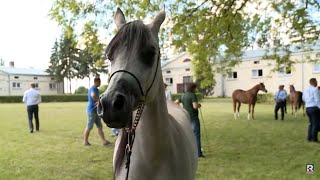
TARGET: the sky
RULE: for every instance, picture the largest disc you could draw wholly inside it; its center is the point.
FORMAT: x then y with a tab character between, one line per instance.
27	34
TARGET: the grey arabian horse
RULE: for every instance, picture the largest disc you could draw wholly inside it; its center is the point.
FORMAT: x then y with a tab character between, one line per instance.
156	141
247	97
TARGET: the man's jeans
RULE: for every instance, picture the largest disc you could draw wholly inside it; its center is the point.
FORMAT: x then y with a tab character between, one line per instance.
196	130
33	110
314	118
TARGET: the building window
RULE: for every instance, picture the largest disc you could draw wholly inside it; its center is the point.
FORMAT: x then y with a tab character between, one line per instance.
16	77
35	77
256	62
168	72
52	85
233	75
187	79
256	73
36	85
169	81
187	69
316	68
187	60
52	79
285	70
16	85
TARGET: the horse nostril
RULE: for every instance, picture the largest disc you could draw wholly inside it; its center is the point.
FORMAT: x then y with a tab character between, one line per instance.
119	101
100	108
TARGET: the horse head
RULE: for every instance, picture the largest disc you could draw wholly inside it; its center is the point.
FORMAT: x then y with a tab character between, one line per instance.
291	87
134	54
262	87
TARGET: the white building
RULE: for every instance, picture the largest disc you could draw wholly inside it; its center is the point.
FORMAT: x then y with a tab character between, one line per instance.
177	72
14	81
251	71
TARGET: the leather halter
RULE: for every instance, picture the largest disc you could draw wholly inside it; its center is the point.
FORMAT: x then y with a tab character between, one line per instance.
132	126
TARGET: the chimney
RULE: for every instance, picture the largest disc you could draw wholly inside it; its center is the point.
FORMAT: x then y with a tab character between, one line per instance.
11	64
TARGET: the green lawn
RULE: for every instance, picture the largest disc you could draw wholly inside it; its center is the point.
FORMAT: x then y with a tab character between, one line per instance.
235	149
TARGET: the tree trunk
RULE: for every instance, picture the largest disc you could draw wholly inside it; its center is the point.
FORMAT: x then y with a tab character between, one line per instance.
89	81
70	85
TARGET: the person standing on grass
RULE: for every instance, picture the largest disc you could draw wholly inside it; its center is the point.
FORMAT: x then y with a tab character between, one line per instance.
168	93
190	103
311	98
92	116
280	97
32	98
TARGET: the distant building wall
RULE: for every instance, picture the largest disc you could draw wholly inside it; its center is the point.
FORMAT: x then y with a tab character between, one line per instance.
251	71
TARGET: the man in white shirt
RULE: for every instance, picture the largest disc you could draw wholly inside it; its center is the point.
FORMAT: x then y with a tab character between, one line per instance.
280	98
168	93
311	98
32	98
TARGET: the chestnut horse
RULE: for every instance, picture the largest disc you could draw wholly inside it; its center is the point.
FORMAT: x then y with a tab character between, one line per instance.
296	100
247	97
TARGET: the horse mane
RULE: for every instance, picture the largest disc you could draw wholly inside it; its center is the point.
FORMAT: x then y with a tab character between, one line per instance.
254	87
133	36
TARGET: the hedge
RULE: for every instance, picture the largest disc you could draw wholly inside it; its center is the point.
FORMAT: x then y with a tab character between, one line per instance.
47	98
267	98
67	98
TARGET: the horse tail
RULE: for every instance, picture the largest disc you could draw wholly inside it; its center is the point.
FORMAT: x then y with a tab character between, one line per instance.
234	101
300	101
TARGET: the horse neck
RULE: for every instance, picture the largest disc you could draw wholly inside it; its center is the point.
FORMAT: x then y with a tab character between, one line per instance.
154	123
254	90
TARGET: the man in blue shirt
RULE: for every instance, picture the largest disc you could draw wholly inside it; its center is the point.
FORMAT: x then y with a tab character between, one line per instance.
280	98
93	118
311	98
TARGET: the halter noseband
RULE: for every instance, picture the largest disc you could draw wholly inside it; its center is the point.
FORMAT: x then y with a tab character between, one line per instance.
132	126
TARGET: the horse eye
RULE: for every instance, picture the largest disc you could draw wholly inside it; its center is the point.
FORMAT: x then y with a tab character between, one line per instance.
110	57
148	55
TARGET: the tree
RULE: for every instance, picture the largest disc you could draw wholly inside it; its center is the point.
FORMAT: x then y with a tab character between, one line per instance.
54	68
103	88
2	62
64	59
81	90
214	32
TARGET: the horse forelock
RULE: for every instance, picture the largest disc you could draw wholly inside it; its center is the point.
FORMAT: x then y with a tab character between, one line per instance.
133	37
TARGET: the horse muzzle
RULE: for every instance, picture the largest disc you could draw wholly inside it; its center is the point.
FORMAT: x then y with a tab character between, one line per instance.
115	109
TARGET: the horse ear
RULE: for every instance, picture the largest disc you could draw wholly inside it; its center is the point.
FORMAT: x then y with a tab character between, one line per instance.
157	21
119	18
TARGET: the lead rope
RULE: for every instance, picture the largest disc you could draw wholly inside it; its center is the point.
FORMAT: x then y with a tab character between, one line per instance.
131	130
131	135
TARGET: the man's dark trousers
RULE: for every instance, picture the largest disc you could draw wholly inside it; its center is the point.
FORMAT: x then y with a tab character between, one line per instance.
33	110
314	122
280	105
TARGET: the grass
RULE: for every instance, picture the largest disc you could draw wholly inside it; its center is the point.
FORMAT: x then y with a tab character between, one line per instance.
235	149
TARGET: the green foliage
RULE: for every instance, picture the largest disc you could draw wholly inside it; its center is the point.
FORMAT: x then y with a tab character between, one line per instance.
47	98
215	33
81	90
265	98
103	88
